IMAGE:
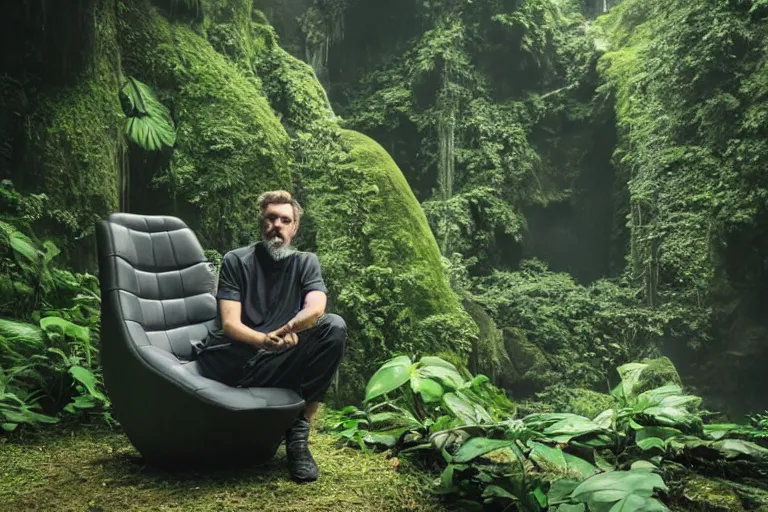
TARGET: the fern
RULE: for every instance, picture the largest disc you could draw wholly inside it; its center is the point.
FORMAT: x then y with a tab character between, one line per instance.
149	122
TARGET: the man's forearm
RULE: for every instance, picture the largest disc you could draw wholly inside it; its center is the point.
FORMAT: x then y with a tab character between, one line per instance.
240	332
304	319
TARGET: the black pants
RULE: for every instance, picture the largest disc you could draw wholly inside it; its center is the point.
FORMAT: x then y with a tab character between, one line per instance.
307	368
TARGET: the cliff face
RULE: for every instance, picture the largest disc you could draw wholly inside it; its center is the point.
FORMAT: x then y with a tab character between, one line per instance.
248	117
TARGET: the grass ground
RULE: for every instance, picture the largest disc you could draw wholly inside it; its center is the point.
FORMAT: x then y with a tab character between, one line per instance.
97	470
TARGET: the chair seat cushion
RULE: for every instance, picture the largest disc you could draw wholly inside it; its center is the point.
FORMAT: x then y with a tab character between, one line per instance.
187	375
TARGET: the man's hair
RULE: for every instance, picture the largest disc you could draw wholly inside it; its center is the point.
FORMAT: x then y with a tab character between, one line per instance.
279	197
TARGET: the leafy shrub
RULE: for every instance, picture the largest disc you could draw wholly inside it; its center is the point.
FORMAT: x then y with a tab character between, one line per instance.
547	461
48	337
571	333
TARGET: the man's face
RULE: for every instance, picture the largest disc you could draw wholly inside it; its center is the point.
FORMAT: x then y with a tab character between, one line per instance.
279	225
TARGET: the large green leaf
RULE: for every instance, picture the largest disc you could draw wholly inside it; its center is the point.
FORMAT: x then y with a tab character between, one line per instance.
540	421
719	430
80	402
87	379
568	428
549	458
604	419
630	374
461	408
670	395
494	491
437	361
732	448
149	122
69	329
382	439
430	390
391	418
24	415
448	377
643	465
560	490
630	503
655	431
390	376
615	485
51	251
24	246
577	465
478	446
672	416
651	442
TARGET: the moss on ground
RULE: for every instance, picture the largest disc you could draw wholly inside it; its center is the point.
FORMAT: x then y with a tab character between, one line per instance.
98	470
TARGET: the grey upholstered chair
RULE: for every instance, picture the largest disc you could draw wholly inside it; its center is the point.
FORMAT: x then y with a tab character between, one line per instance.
156	301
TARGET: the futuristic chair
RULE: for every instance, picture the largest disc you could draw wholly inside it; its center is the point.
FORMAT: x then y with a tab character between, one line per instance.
157	300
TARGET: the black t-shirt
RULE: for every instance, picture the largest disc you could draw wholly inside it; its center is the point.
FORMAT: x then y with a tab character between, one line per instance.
270	291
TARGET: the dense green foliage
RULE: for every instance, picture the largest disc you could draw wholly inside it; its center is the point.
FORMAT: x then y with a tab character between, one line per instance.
49	355
629	146
616	460
489	110
689	81
556	330
473	136
539	190
215	112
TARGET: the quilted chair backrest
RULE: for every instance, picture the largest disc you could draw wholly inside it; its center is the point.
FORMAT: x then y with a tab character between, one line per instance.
163	281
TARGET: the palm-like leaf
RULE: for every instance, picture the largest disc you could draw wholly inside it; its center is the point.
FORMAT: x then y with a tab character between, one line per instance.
149	122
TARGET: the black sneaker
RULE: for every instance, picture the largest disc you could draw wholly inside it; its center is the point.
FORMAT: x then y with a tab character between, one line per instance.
301	465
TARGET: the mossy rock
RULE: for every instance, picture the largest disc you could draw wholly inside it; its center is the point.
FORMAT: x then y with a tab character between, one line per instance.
703	494
230	144
400	236
383	264
530	371
659	372
76	144
584	402
489	356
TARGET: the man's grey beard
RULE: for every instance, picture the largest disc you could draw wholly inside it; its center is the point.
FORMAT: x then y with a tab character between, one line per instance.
277	251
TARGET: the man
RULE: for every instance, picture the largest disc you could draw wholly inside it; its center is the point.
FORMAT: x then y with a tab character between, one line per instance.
274	329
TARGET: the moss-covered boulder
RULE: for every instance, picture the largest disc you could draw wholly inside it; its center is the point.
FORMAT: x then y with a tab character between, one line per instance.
531	371
488	356
659	372
386	265
585	402
702	494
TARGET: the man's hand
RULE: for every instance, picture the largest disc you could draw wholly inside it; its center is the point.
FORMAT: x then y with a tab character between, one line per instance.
272	343
280	339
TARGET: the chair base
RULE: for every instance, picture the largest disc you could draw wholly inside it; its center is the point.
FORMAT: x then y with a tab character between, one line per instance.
246	458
